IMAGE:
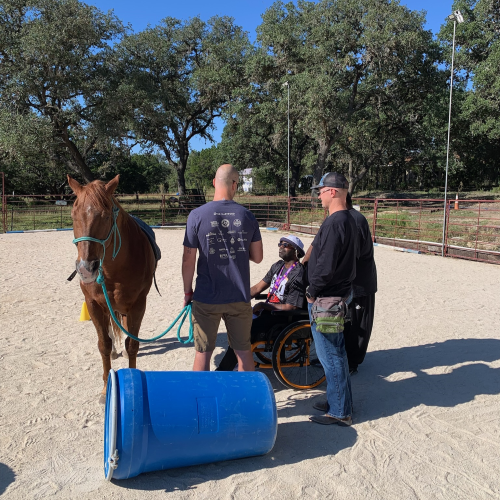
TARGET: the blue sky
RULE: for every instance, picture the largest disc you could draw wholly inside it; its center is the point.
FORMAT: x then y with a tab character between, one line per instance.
245	12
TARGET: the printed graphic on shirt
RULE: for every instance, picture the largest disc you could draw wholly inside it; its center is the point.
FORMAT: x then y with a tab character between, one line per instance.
277	296
226	234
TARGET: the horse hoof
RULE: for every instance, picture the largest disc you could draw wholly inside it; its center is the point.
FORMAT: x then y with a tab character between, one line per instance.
125	354
102	399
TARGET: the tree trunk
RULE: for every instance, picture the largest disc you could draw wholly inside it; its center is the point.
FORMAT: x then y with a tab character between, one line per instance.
294	178
323	150
77	164
181	170
353	179
181	180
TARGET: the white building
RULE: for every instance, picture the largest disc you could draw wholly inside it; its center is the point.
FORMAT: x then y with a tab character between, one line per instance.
246	180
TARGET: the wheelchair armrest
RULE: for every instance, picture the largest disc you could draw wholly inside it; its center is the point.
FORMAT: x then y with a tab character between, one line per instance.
261	296
295	313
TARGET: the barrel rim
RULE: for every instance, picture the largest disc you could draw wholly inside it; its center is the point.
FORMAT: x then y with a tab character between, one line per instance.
110	424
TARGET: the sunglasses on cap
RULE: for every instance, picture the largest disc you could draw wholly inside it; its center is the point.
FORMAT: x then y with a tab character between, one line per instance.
285	244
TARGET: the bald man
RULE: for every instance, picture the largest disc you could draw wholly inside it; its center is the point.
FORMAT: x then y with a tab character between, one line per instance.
227	237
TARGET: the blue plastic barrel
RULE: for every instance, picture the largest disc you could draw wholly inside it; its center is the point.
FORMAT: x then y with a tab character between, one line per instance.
163	420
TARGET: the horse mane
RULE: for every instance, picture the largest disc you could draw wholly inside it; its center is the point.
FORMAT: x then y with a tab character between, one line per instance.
95	193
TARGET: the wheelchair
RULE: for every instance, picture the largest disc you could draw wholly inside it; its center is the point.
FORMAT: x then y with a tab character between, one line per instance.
290	351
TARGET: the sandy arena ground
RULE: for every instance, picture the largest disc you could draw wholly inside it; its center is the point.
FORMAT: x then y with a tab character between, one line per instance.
427	397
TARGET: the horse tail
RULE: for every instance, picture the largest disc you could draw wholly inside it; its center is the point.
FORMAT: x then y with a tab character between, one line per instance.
116	336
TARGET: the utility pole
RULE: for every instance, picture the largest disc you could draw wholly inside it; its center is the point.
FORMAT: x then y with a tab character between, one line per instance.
456	17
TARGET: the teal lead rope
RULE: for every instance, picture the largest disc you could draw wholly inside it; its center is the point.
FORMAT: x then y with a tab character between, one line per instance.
186	311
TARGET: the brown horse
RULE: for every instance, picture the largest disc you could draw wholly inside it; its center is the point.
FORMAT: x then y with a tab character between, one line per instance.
128	276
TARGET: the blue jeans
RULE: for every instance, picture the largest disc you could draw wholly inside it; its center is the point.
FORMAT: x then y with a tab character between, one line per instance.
330	349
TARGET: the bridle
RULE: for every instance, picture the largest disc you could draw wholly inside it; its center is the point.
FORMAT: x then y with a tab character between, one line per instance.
113	231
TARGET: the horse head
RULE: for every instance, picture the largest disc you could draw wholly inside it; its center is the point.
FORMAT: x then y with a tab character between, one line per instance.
92	216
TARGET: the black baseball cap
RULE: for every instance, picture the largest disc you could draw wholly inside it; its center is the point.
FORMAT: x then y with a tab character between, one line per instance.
333	180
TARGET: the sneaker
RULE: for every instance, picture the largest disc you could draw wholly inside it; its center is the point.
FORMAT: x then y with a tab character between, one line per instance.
353	371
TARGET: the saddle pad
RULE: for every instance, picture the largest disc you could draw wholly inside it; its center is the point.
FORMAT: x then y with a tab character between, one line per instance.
151	237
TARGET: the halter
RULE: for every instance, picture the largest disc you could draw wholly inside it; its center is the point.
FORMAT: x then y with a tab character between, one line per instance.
114	230
186	311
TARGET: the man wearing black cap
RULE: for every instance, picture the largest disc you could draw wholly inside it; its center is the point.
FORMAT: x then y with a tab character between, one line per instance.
362	308
331	271
285	281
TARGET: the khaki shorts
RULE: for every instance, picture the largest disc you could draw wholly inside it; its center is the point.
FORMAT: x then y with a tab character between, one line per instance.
206	320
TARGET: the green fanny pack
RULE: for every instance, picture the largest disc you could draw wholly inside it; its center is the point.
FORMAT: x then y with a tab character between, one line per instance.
328	313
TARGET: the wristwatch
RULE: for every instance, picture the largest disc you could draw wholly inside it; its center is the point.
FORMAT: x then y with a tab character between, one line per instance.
308	295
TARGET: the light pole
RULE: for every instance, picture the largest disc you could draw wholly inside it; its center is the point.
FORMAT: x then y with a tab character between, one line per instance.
287	85
456	17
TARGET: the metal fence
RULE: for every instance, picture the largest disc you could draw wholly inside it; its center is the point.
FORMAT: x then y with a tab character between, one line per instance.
472	226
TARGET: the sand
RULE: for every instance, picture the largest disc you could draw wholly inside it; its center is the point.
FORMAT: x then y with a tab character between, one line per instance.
427	397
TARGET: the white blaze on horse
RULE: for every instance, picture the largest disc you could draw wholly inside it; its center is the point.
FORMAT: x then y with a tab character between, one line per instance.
112	243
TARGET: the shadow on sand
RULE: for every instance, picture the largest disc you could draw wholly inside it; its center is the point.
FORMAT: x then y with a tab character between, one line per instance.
389	382
7	476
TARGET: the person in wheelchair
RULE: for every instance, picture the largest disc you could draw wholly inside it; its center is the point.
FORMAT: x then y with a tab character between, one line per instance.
286	283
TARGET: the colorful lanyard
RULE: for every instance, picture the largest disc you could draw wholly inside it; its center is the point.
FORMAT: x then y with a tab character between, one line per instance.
279	280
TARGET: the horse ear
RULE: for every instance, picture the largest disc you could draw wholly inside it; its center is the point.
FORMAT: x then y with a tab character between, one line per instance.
74	185
112	184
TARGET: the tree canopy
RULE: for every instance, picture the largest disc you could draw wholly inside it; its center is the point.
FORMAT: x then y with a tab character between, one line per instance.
368	91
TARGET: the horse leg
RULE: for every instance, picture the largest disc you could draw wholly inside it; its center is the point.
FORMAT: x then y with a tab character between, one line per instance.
104	343
132	323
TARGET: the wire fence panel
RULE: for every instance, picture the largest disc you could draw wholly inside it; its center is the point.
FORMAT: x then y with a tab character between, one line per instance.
472	226
473	230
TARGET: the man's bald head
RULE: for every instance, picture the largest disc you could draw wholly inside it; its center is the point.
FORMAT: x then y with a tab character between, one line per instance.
226	175
226	182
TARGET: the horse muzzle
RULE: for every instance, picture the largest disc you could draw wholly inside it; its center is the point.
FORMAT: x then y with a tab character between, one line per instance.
87	270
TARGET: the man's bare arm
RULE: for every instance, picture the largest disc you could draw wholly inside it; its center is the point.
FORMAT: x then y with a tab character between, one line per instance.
258	288
188	266
307	256
268	306
256	251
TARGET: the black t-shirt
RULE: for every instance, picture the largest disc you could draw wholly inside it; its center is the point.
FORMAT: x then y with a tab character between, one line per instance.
365	282
332	265
291	289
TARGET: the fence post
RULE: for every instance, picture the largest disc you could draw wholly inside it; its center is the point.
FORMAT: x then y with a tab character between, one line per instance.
477	228
4	205
419	225
288	214
374	223
447	228
162	209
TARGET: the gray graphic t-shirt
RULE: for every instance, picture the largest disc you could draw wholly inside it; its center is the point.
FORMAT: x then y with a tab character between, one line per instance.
222	232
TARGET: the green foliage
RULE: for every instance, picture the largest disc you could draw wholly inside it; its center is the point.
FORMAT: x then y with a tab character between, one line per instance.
138	173
177	78
368	97
54	56
359	71
202	165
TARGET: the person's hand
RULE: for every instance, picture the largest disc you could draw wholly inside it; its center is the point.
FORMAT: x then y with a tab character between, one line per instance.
258	308
188	297
311	300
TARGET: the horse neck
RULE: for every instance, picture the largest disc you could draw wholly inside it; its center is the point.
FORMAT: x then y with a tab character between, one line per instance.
124	224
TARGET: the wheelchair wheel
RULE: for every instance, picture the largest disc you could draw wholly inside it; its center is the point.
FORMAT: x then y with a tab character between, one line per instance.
295	361
264	357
